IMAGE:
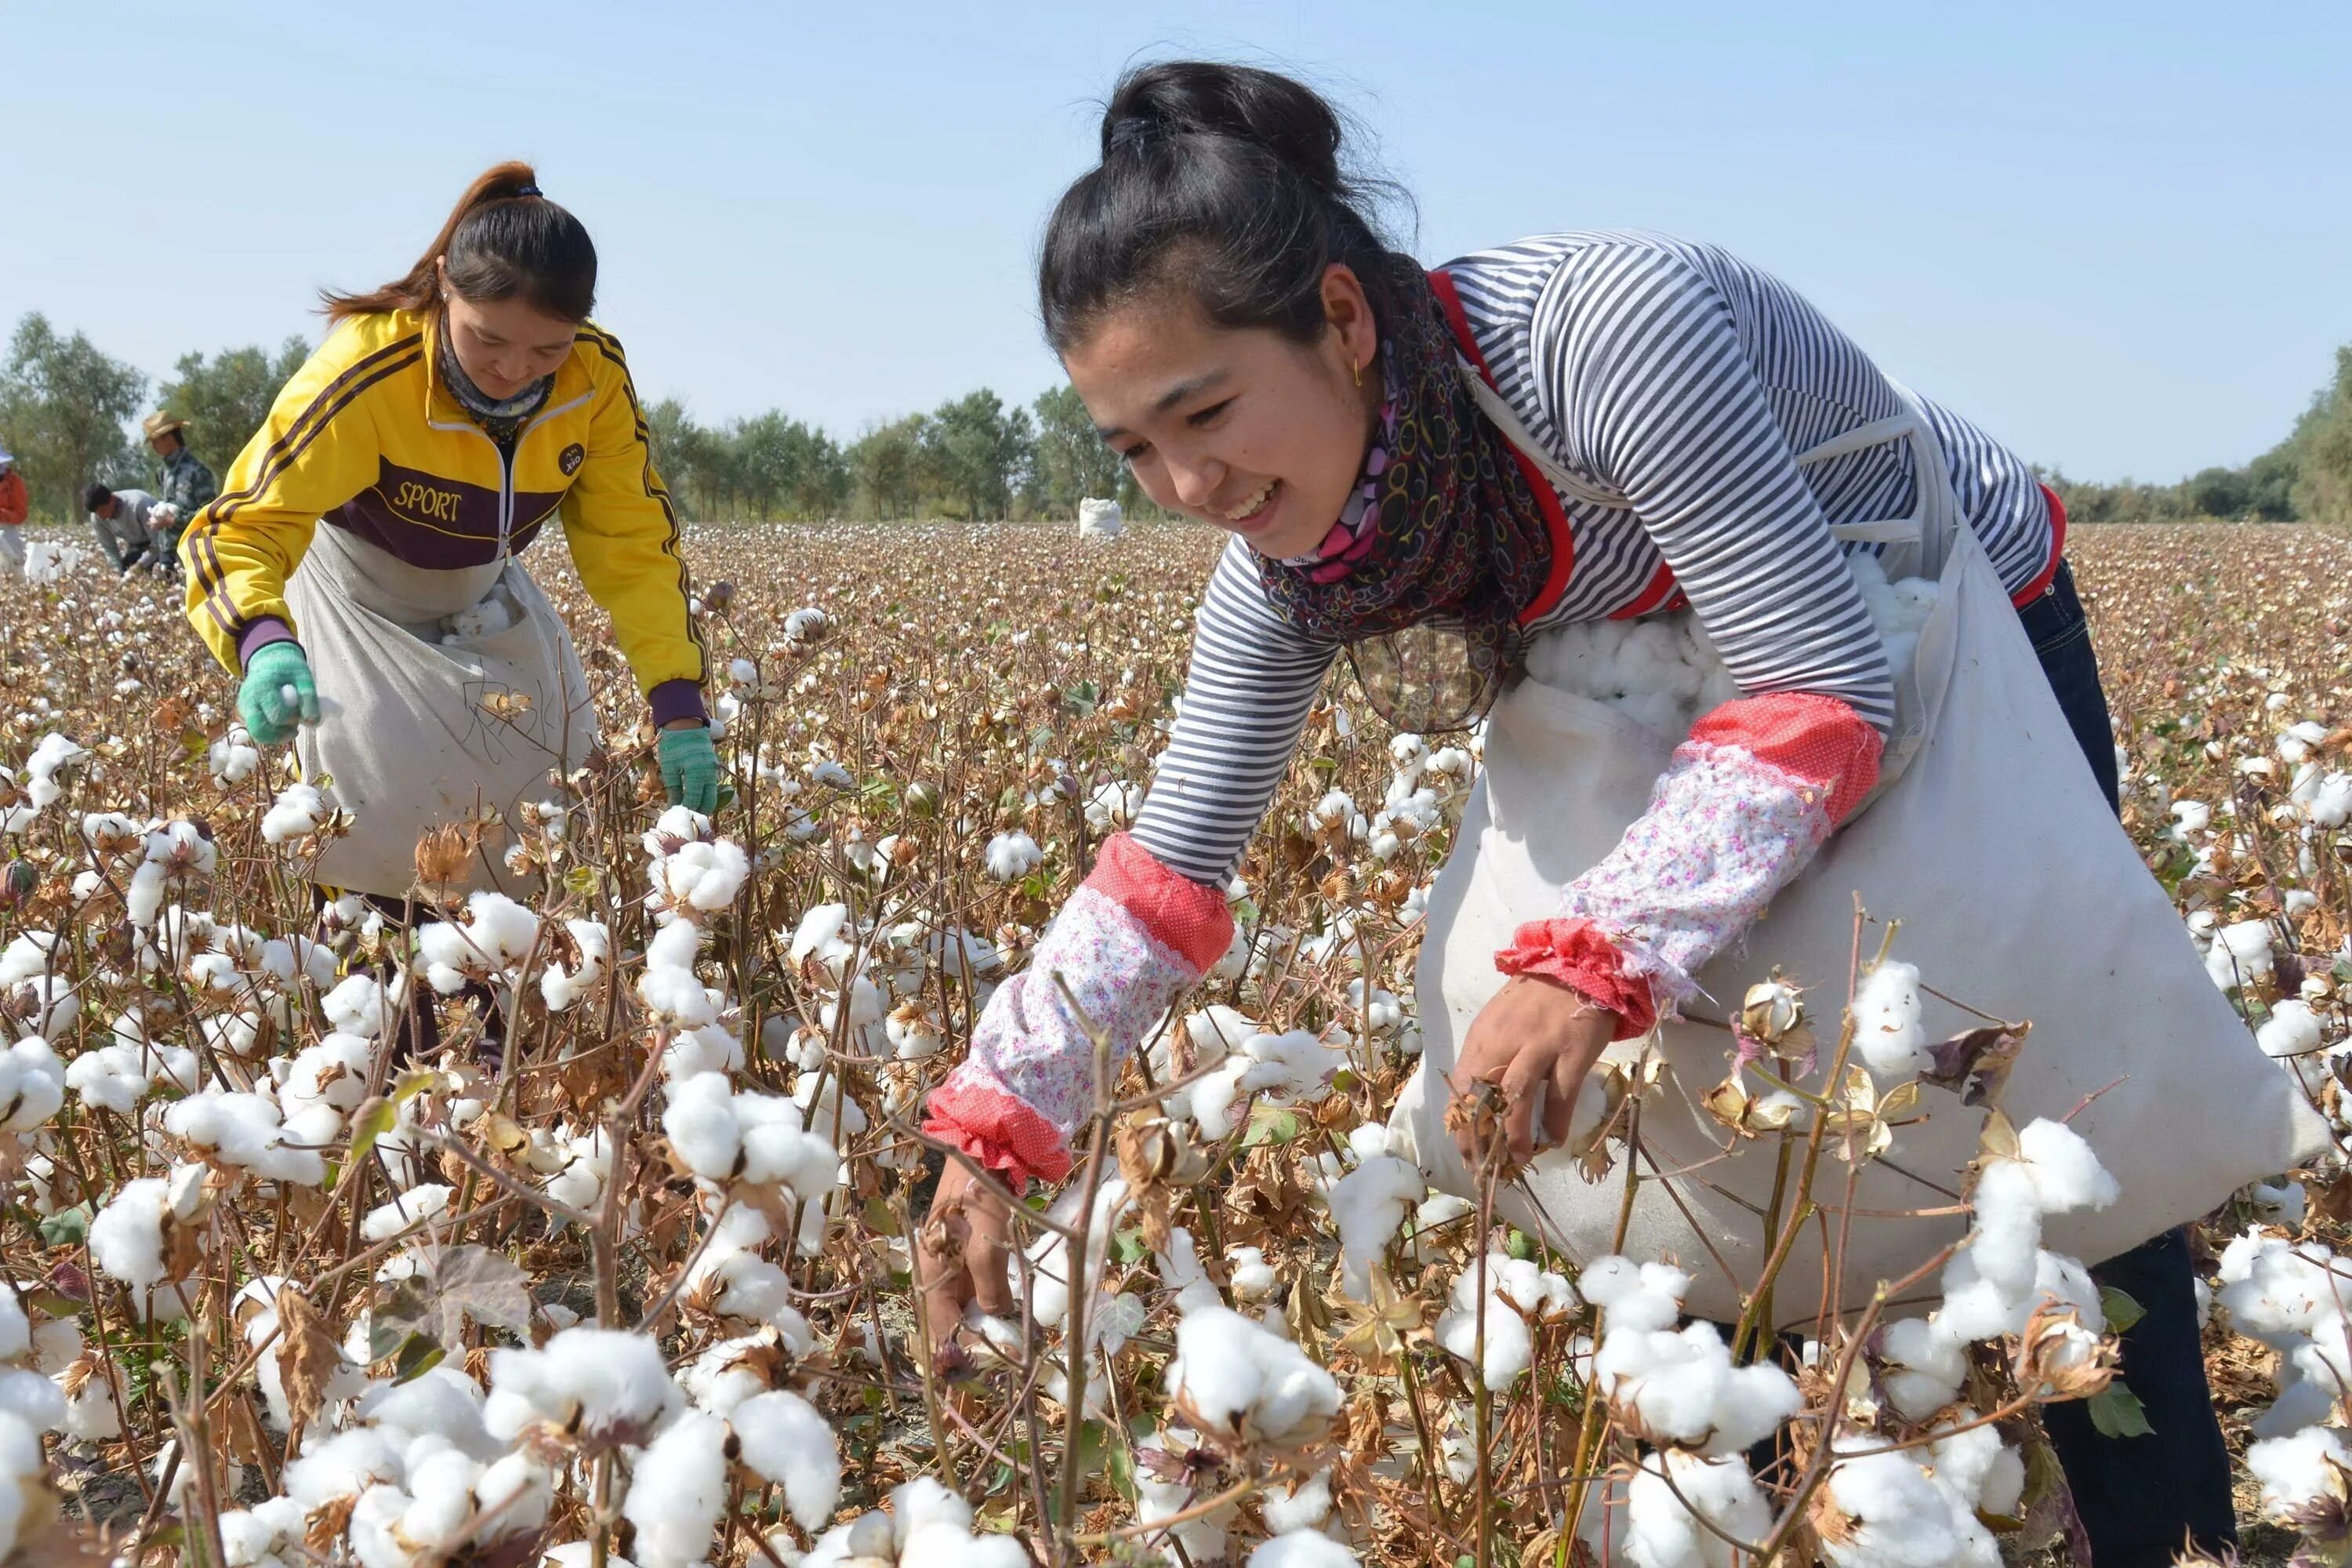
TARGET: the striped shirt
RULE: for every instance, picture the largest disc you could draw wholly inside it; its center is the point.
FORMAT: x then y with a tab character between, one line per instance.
1687	381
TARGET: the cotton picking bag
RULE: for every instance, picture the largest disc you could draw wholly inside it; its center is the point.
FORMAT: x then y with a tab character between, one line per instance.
2019	893
410	735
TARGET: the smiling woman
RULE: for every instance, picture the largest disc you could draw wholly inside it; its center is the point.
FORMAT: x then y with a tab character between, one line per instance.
449	416
1531	449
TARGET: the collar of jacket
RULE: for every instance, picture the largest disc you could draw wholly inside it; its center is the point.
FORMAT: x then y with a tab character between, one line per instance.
441	404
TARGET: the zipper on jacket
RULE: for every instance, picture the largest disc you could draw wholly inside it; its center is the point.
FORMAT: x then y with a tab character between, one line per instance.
507	462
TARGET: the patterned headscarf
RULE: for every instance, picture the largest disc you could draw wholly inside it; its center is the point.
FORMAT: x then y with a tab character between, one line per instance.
1444	539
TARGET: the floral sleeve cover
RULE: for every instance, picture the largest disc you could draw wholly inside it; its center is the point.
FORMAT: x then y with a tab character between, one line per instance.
1132	939
1746	803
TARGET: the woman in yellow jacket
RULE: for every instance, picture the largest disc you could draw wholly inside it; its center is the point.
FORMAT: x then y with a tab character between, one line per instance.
446	418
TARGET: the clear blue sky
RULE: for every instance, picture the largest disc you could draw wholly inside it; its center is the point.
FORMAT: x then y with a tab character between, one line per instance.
2118	236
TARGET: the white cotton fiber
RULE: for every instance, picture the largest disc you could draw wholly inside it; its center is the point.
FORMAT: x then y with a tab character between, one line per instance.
1924	1366
2293	1029
584	1379
677	1491
2066	1174
1886	1021
1303	1549
126	1237
2299	1471
1659	1528
784	1439
1243	1381
1901	1516
32	1085
1368	1205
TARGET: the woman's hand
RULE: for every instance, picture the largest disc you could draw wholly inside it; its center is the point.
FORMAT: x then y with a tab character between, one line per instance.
961	1251
277	694
689	765
1538	1038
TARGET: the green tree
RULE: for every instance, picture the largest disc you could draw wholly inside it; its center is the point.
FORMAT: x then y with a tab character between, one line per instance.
2218	492
887	462
2323	449
226	398
1072	462
62	407
670	432
824	482
982	453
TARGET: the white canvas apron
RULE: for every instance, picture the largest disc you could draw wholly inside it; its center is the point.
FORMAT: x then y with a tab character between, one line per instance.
2019	893
411	734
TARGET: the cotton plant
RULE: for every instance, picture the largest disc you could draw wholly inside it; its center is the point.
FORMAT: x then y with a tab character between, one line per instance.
1239	1384
1491	1321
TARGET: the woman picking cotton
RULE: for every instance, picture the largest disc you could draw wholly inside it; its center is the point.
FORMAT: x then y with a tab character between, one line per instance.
402	645
1569	429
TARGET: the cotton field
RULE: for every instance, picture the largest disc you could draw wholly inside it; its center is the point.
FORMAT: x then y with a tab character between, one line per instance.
578	1225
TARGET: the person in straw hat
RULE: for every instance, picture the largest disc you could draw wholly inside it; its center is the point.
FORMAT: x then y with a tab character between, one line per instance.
188	485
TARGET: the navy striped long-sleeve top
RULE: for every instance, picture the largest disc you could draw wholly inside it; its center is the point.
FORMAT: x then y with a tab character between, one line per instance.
1687	381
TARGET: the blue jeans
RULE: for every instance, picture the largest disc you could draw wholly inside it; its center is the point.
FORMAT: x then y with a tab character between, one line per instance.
2138	1497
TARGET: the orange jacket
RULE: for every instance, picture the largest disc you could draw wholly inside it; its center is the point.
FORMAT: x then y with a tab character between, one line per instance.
14	506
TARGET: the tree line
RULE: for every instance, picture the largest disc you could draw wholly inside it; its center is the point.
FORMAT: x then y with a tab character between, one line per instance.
2307	476
66	410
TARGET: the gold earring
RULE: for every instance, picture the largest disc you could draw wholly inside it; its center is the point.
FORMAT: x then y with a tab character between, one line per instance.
1359	371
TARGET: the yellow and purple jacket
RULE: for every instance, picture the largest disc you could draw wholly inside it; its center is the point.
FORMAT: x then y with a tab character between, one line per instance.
366	437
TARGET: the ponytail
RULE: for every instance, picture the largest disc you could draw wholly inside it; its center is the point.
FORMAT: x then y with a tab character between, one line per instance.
503	241
1224	180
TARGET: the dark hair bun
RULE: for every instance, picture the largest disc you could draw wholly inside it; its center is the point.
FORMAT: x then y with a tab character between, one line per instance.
1194	98
1225	181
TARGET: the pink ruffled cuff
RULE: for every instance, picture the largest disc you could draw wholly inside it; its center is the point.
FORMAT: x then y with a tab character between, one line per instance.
1579	955
983	1120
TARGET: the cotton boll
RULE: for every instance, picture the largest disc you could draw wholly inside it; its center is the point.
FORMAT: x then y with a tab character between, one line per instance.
2241	954
678	1492
1368	1205
1242	1381
1303	1549
1308	1505
32	1398
1924	1366
1253	1276
1660	1529
2299	1471
700	1124
422	1204
1203	1536
1013	856
2293	1029
921	1503
1886	1021
784	1439
1645	1297
1898	1513
1508	1348
583	1379
675	997
562	987
126	1237
1682	1388
32	1085
297	813
2066	1174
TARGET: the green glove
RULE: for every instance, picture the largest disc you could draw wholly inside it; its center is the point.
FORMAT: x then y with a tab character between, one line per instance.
263	701
689	769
